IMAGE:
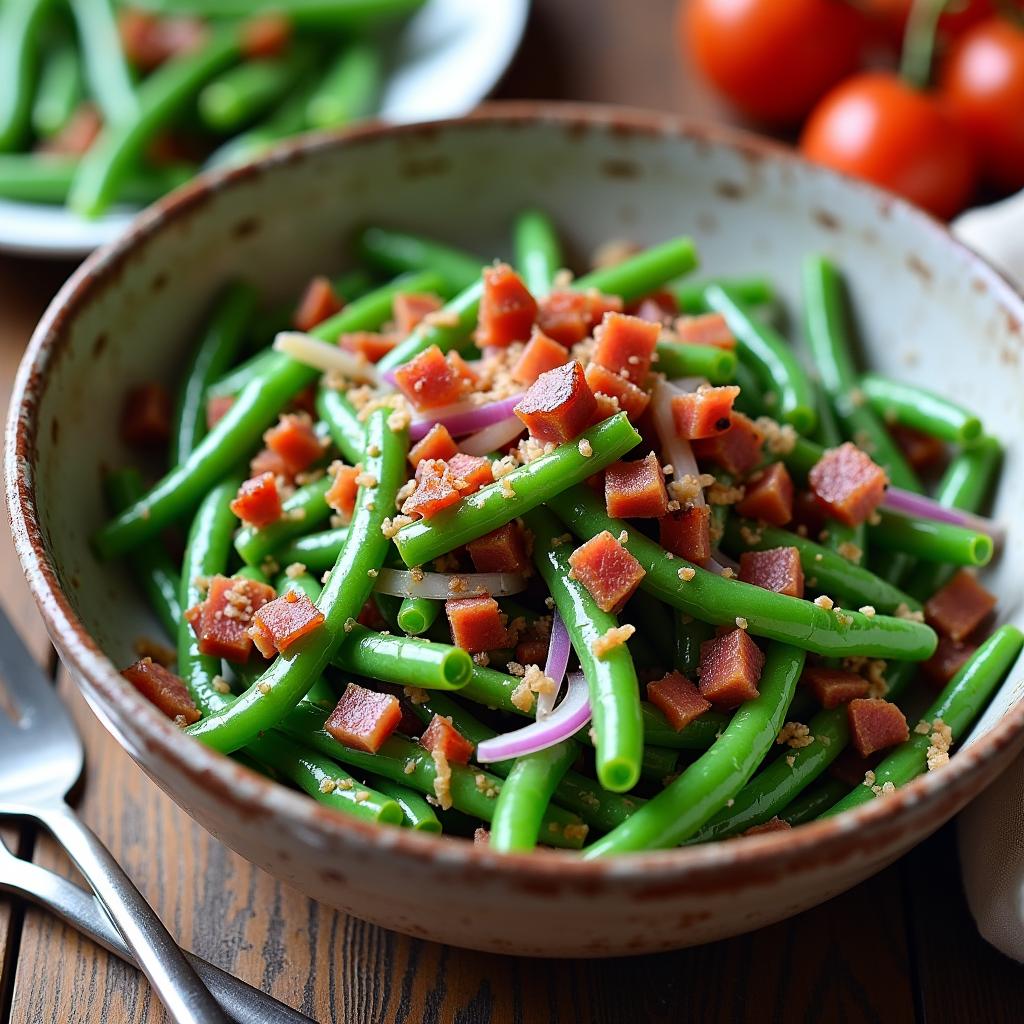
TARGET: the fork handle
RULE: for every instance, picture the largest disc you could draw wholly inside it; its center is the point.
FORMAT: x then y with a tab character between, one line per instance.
176	984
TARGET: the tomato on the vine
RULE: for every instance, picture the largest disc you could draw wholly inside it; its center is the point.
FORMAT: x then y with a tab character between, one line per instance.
959	15
877	127
772	59
982	83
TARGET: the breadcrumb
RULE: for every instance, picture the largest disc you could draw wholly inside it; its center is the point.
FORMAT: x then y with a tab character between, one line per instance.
614	637
941	740
686	573
795	735
442	779
585	447
824	601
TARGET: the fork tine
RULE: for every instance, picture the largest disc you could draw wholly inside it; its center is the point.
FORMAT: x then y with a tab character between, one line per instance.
22	677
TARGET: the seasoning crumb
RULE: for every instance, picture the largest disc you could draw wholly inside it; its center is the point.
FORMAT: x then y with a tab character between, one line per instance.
741	622
416	694
941	739
868	611
442	779
686	573
824	601
264	687
585	447
791	759
795	735
327	785
614	637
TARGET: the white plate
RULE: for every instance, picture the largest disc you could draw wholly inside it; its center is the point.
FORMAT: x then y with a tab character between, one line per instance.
446	60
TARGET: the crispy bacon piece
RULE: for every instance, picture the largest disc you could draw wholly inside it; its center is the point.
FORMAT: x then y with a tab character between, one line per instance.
149	40
77	135
633	401
730	668
163	689
737	451
677	699
704	412
949	657
373	345
221	622
266	35
258	502
848	484
295	440
568	317
777	569
540	355
430	380
437	444
687	533
363	719
625	345
705	329
924	452
282	622
266	461
608	571
834	686
216	409
146	416
472	470
435	489
341	495
775	824
636	490
442	737
477	624
558	405
507	309
769	496
409	308
318	302
501	550
959	607
875	724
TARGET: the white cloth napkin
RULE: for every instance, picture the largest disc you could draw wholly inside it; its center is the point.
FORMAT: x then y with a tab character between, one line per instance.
991	829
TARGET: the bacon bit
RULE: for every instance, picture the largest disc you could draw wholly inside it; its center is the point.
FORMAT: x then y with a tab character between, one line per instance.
950	656
371	345
769	496
472	471
319	301
558	405
849	486
625	345
875	725
568	317
501	550
737	451
163	689
833	686
281	623
775	824
431	380
149	40
730	668
363	719
258	502
477	624
636	490
678	699
540	355
409	308
217	408
295	441
777	569
221	622
924	452
77	135
607	570
705	329
507	309
341	495
266	35
613	636
704	413
146	416
441	736
687	533
959	607
628	397
435	489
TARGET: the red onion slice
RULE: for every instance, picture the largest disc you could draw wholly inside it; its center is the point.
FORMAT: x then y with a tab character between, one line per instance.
464	417
441	586
493	438
922	507
559	648
323	356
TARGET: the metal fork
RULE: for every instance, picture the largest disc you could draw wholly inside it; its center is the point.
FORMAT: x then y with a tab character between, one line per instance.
41	758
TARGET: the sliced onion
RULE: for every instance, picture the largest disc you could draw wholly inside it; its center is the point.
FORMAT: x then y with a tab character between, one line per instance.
927	508
674	449
688	384
464	417
324	356
493	438
443	586
559	647
572	713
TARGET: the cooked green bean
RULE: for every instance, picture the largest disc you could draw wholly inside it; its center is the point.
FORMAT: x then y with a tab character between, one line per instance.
404	660
417	614
350	88
921	409
59	90
813	801
106	67
46	178
306	507
350	15
525	796
751	291
417	814
21	26
398	252
342	421
684	360
689	634
538	251
931	540
316	551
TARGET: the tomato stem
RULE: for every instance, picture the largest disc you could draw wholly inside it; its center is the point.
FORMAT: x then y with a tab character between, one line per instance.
919	41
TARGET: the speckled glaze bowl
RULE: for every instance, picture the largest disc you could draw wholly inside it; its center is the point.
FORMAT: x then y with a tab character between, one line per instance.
926	307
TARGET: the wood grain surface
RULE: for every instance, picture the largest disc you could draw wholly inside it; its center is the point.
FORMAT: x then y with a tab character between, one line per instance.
900	947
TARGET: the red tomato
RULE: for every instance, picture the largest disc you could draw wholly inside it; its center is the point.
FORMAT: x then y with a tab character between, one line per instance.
875	126
772	58
960	15
982	82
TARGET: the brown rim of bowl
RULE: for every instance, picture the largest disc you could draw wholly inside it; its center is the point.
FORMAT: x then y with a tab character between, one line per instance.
254	795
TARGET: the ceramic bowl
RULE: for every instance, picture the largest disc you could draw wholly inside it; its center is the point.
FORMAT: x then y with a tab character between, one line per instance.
925	306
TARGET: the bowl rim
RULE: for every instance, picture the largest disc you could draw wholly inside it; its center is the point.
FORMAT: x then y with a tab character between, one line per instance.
252	795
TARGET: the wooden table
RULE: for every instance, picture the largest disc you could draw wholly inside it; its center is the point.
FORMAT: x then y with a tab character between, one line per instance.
900	947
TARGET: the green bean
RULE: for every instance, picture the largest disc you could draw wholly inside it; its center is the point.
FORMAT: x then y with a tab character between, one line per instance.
931	540
206	554
721	601
524	488
21	25
525	796
921	409
698	735
833	573
658	763
342	421
398	252
353	284
815	799
417	814
301	583
404	660
751	401
683	360
751	291
689	634
150	563
316	551
240	430
333	14
611	677
849	542
410	765
290	676
772	359
654	621
306	508
417	614
106	68
350	89
538	251
217	350
827	432
957	705
829	340
324	781
122	142
59	90
680	809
